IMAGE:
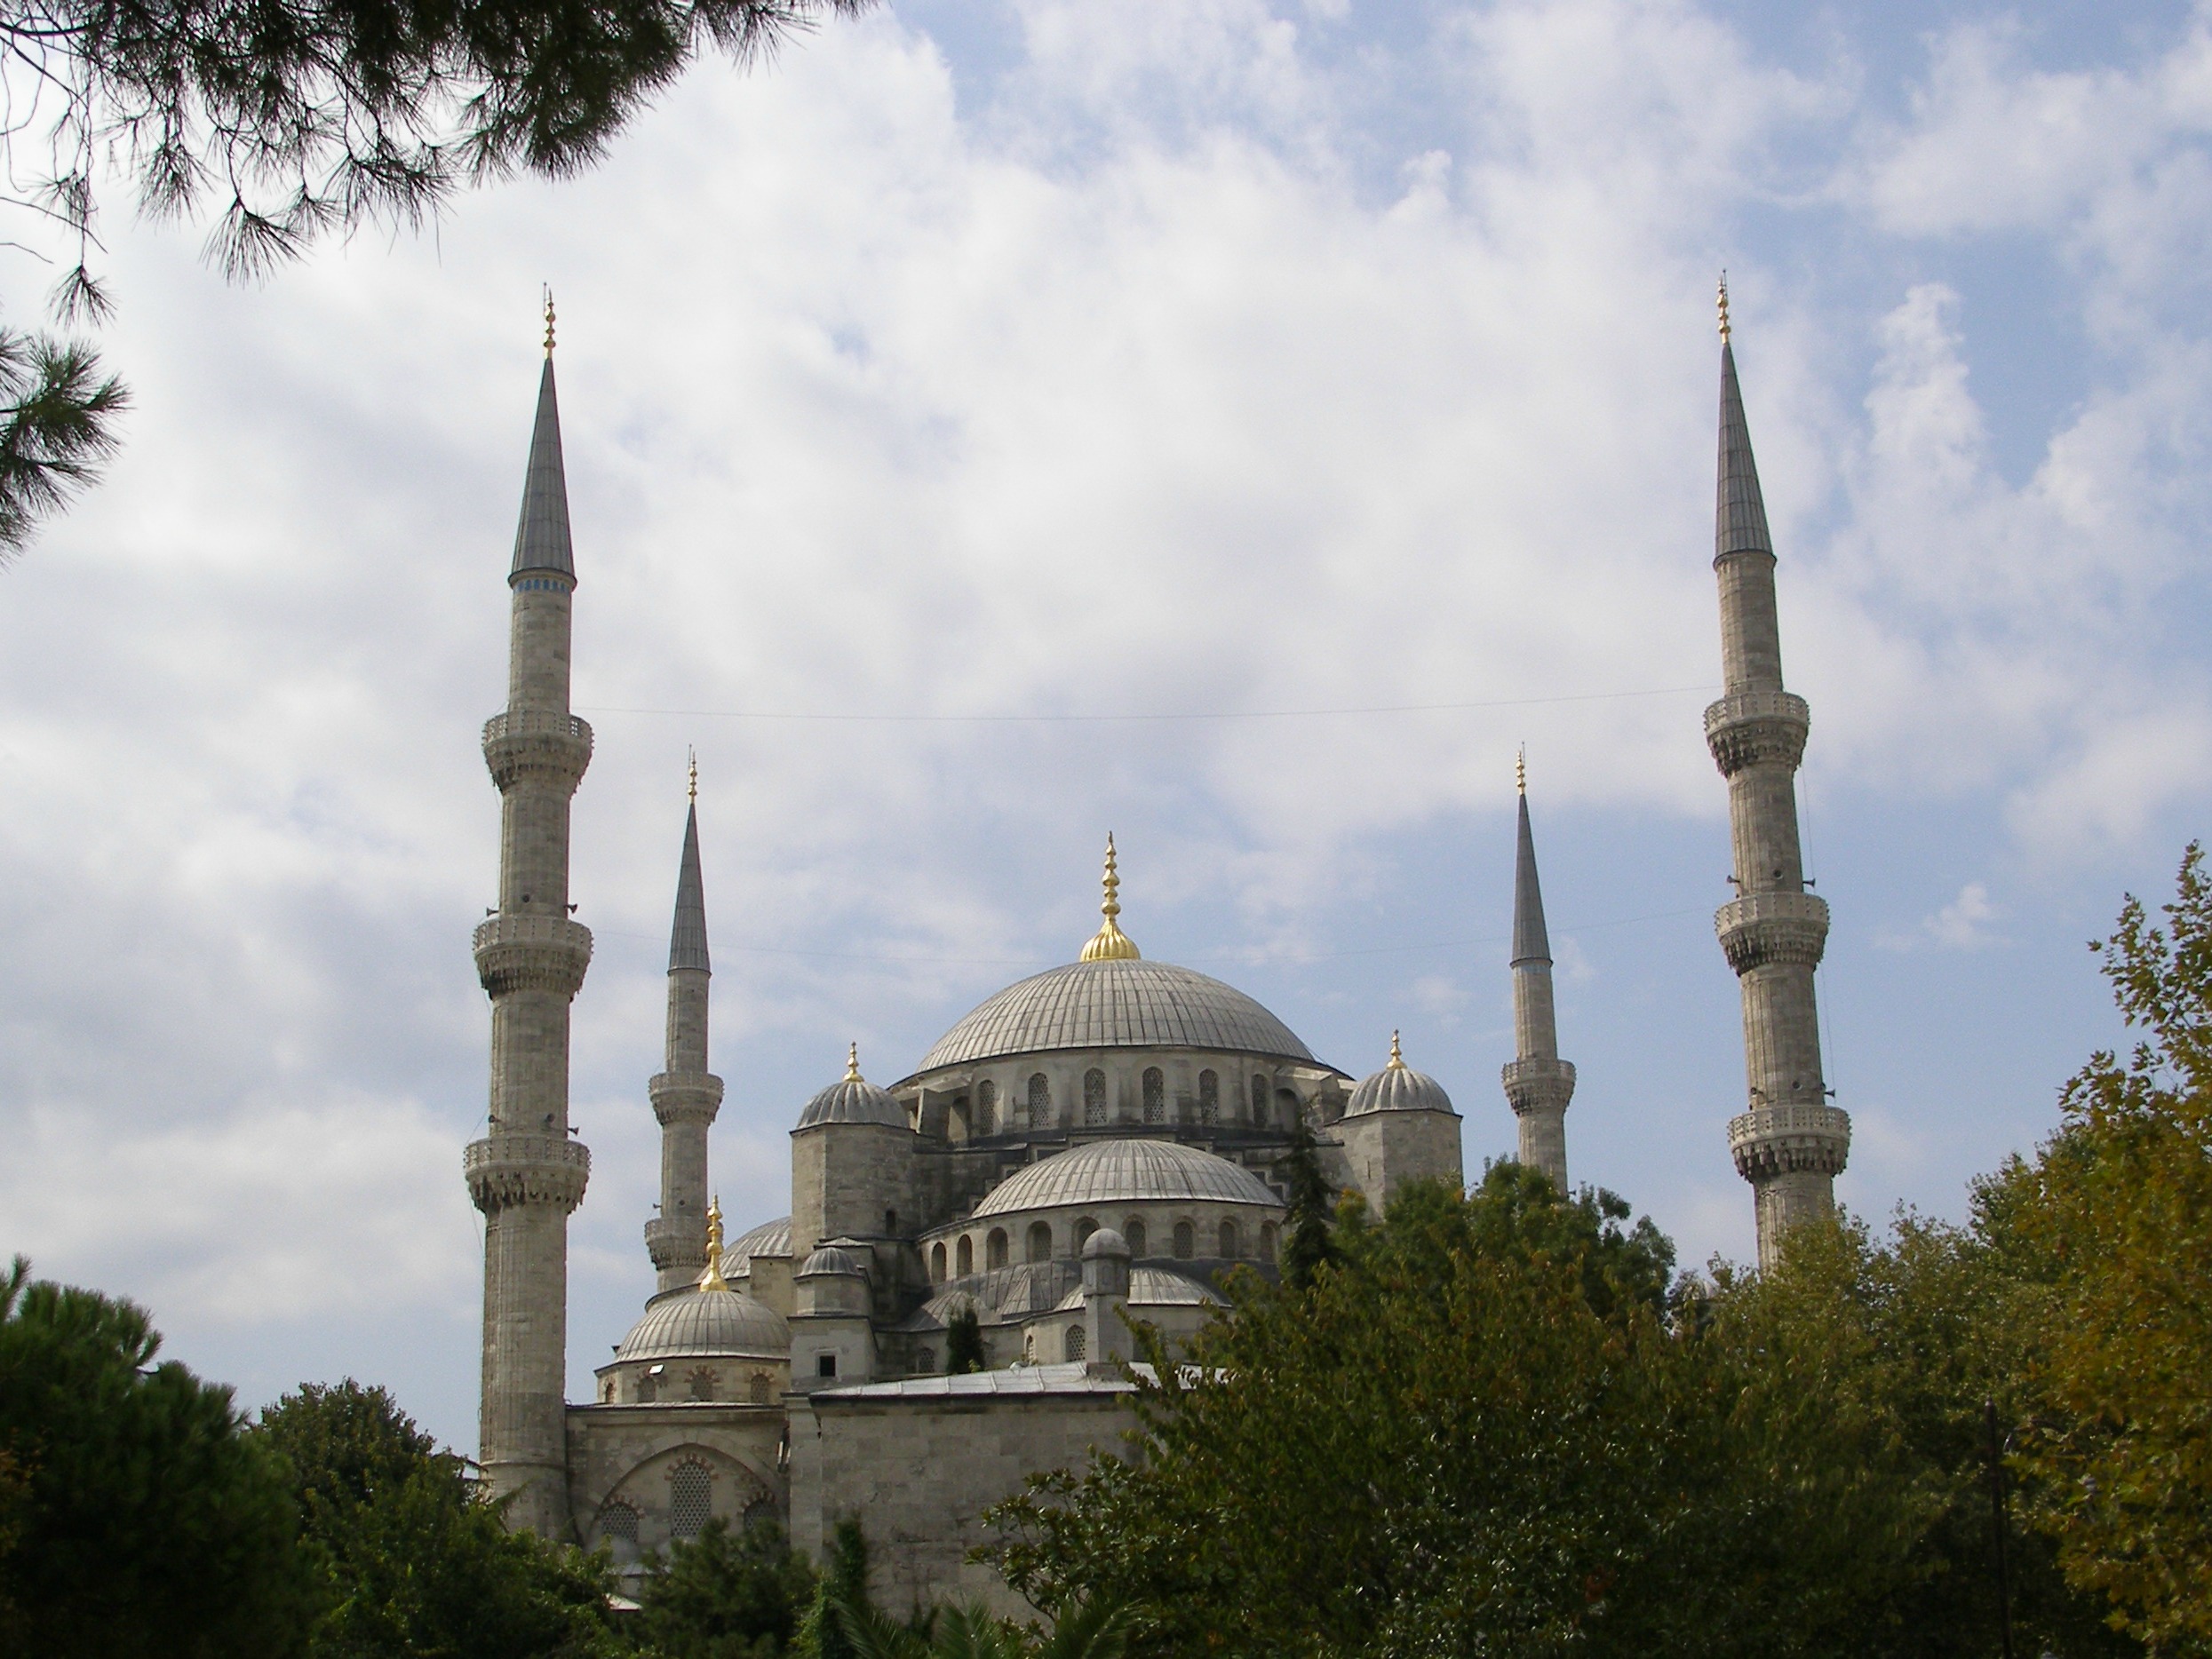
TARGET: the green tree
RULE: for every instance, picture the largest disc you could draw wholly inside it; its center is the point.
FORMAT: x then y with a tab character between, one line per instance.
1307	1245
410	1559
964	1342
2117	1212
840	1596
726	1595
148	1520
293	121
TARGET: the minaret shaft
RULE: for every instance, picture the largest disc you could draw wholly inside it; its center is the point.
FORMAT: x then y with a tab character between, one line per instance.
1789	1143
686	1096
1539	1084
528	1173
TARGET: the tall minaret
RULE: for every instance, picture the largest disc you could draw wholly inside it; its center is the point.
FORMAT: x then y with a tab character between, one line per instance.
686	1096
1790	1143
1538	1082
527	1173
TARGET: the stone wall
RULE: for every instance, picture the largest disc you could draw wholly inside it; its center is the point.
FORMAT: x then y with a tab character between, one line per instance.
919	1461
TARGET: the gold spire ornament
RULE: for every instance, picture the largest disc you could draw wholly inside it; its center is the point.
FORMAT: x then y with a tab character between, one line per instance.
711	1279
694	754
1724	308
1398	1059
549	319
1109	943
1521	770
852	1064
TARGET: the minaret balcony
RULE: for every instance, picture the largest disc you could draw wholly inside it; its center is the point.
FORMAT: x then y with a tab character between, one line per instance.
1747	729
1762	928
1773	1141
680	1096
1538	1085
543	746
675	1245
506	1170
532	953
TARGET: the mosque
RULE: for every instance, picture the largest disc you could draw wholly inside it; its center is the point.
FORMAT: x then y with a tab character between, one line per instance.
1099	1143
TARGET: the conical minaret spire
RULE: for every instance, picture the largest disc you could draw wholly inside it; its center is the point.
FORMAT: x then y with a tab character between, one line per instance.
529	1172
1790	1143
1539	1084
686	1096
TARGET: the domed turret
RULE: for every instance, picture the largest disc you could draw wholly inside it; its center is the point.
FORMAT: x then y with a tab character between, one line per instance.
1397	1087
854	1100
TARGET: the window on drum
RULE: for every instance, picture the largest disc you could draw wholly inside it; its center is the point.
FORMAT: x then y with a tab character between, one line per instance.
1209	1097
1094	1096
1155	1096
1040	1100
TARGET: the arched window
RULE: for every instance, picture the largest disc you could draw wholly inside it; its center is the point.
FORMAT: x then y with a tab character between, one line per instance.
1133	1230
891	1222
936	1263
701	1384
1209	1097
925	1359
1040	1241
1267	1240
1258	1099
607	1392
690	1498
760	1390
619	1519
761	1510
1083	1231
1228	1241
995	1247
963	1255
1075	1343
648	1388
1094	1096
986	1107
1186	1240
1155	1096
1285	1107
1040	1100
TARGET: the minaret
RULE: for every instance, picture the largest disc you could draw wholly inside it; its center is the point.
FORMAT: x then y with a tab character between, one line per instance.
1538	1082
527	1173
1791	1143
686	1096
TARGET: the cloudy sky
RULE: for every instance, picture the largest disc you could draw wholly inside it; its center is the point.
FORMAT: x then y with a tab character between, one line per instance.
1235	425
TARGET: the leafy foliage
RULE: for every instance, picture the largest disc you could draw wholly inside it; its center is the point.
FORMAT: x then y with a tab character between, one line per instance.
410	1560
963	1342
56	426
1306	1237
147	1521
726	1595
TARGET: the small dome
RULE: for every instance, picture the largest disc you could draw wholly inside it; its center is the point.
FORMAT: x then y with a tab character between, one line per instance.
1105	1241
696	1324
1126	1171
852	1100
1153	1287
830	1259
1397	1087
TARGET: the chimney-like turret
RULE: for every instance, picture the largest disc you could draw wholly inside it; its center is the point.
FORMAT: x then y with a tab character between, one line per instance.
1790	1143
527	1173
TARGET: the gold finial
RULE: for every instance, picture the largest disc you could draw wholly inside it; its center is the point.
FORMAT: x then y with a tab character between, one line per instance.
1724	308
1397	1060
852	1064
694	754
1521	770
1109	943
711	1279
549	319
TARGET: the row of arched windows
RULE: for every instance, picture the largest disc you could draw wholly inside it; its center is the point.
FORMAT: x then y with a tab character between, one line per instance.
1034	1109
1228	1239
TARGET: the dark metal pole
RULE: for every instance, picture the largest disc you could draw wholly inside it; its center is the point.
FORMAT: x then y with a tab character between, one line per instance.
1997	1521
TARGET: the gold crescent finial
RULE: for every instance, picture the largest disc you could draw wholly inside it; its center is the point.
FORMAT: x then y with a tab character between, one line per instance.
1109	943
694	755
1521	770
549	319
1398	1059
1724	308
711	1279
852	1064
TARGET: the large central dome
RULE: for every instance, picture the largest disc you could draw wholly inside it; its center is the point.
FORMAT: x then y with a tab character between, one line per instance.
1115	1004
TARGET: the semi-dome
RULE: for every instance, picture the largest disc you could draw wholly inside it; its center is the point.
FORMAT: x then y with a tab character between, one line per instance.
1126	1171
1115	1002
1397	1087
852	1100
770	1238
695	1324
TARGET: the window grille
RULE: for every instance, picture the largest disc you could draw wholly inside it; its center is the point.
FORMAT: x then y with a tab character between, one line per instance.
1040	1241
1094	1096
1209	1097
987	1106
1228	1241
1133	1230
1075	1342
1155	1096
1040	1100
618	1521
1258	1099
691	1499
702	1385
1186	1240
